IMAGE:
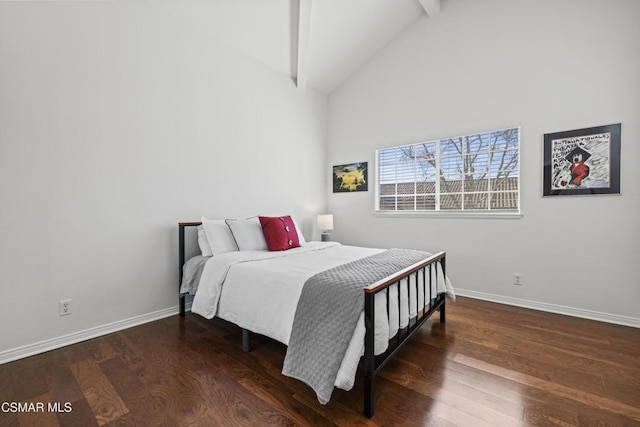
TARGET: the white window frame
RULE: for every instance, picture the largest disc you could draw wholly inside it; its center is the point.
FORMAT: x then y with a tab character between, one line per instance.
438	212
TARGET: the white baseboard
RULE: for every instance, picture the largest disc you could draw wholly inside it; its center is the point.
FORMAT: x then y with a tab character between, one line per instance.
552	308
76	337
51	344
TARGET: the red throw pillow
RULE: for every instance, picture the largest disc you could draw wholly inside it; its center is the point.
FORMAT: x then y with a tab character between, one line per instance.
279	232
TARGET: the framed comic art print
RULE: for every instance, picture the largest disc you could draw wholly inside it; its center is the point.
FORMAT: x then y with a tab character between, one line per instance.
582	161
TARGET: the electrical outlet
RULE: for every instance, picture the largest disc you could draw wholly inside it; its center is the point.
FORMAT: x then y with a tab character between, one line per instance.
517	279
64	307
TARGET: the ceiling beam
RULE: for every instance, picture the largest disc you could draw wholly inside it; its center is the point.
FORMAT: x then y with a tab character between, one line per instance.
432	7
302	54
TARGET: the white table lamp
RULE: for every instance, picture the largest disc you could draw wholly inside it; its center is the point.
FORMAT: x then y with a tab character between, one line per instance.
325	223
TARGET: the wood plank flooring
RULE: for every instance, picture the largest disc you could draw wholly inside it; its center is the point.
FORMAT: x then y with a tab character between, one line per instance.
488	365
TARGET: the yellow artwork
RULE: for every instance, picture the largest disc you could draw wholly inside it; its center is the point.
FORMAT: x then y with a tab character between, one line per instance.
351	177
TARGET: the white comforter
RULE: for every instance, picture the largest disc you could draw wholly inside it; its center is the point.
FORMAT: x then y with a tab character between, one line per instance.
259	291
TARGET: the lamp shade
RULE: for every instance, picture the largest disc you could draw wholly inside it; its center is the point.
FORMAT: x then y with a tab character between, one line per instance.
325	222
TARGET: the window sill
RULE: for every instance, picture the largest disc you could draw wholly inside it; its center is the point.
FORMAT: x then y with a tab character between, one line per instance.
449	214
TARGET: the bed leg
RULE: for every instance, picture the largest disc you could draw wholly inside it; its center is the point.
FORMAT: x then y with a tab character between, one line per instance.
369	396
246	340
369	358
181	256
443	306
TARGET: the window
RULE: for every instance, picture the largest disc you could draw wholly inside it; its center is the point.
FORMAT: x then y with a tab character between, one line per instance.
478	172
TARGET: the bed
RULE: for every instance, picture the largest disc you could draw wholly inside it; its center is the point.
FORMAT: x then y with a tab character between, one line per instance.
271	292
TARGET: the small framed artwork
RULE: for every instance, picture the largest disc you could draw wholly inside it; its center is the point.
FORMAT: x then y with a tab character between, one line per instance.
350	178
582	161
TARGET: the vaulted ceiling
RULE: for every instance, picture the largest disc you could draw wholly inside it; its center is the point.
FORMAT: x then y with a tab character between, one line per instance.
318	43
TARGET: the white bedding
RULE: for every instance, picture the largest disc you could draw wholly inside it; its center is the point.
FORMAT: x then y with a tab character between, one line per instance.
259	291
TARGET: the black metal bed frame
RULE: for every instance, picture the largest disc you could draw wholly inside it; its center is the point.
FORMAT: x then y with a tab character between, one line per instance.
371	363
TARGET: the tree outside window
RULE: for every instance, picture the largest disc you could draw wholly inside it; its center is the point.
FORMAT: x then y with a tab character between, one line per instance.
478	172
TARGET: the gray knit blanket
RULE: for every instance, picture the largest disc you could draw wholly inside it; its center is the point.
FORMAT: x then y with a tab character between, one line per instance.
327	315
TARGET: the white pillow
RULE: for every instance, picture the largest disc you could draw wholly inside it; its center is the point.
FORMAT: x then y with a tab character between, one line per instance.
301	240
203	242
248	234
219	236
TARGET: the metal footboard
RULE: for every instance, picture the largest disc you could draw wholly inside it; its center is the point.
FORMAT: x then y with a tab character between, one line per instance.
423	269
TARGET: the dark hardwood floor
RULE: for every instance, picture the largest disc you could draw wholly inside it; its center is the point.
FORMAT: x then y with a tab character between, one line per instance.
488	365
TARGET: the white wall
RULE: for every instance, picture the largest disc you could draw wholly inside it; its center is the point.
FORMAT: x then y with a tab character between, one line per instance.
116	122
481	65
